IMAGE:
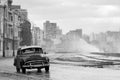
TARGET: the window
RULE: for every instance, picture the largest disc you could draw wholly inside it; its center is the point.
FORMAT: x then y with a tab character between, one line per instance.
32	50
11	18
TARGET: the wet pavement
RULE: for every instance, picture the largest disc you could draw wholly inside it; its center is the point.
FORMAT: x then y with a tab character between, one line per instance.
61	72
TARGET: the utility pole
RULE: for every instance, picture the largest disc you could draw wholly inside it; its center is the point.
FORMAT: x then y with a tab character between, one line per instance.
13	44
4	25
13	36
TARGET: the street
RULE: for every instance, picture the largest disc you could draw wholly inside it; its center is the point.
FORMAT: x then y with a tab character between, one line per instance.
58	72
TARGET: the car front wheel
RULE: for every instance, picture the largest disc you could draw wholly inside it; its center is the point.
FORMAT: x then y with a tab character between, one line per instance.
38	69
47	68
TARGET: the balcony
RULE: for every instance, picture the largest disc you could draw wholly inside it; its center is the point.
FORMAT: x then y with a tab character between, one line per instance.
10	23
10	11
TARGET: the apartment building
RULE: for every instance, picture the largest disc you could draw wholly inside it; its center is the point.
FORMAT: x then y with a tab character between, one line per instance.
51	30
37	36
10	20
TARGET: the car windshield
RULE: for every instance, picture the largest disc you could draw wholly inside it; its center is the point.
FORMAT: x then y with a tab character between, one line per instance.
32	50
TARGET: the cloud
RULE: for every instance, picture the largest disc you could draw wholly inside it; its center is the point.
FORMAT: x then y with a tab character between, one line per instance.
89	15
99	2
108	10
37	3
71	8
91	24
69	3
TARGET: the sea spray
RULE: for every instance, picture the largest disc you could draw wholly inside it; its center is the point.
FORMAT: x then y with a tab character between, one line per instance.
75	45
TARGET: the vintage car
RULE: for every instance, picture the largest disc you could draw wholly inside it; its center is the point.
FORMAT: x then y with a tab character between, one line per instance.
31	57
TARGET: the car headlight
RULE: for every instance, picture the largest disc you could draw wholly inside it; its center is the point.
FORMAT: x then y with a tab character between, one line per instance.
42	55
47	59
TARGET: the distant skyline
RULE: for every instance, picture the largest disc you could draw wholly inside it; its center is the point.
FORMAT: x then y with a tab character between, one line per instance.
88	15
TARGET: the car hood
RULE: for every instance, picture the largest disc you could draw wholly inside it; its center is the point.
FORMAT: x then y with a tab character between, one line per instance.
33	57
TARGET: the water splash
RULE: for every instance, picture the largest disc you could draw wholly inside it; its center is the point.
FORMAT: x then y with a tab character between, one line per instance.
76	45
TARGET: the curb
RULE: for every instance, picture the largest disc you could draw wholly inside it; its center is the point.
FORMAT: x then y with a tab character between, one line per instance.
78	64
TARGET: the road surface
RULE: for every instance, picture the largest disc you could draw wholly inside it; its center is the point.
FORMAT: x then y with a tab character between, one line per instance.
58	72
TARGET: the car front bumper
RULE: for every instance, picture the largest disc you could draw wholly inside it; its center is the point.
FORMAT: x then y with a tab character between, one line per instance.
35	66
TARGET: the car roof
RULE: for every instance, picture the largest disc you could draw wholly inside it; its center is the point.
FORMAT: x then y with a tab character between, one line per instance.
25	47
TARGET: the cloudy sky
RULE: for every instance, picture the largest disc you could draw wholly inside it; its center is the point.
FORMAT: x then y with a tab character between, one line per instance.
90	15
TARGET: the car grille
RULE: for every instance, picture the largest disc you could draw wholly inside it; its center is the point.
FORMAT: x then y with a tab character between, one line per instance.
35	62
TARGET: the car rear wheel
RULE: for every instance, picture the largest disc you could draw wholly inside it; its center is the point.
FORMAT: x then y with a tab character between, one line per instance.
47	68
23	70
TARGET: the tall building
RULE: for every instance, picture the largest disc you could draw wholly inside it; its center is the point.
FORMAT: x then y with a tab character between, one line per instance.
98	37
11	17
6	26
2	19
16	25
73	34
37	35
51	30
77	32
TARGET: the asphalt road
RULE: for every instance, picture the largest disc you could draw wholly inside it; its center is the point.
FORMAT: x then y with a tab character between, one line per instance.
58	72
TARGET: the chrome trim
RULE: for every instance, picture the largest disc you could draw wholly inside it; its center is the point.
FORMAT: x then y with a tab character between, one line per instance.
30	66
35	61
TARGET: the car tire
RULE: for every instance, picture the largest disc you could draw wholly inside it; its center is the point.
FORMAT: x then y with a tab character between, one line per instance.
18	70
47	68
38	69
23	70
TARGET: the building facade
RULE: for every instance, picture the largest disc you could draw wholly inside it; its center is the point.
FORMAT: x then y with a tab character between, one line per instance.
6	26
23	14
37	36
73	34
1	28
51	30
11	16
